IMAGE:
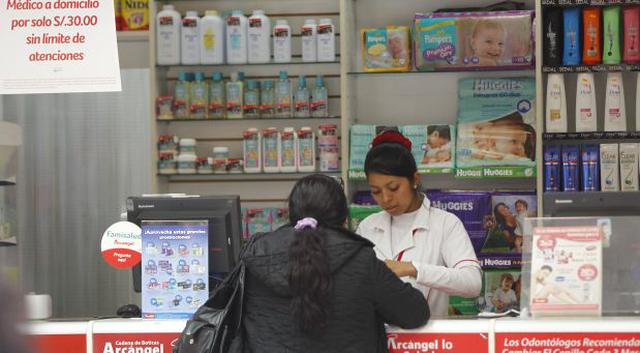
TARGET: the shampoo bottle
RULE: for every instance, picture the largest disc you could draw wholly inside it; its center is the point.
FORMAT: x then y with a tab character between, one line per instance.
270	150
631	17
586	112
267	100
591	47
571	28
320	99
282	42
556	109
252	150
326	40
190	35
552	38
309	34
306	150
236	38
615	117
235	93
611	23
252	99
216	97
259	38
211	39
301	99
168	36
284	96
181	97
199	97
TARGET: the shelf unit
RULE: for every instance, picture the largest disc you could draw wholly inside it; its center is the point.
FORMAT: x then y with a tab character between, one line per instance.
584	203
254	189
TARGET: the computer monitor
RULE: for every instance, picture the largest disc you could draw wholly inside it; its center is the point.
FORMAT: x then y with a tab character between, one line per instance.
222	213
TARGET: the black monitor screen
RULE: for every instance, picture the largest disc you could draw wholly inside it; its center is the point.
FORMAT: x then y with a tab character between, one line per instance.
221	213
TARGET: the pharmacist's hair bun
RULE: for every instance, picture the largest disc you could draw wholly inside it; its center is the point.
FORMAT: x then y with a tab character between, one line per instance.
391	136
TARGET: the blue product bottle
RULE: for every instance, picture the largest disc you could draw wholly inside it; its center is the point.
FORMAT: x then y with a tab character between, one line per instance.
284	96
551	168
320	99
302	99
572	36
590	167
216	97
570	170
252	99
181	97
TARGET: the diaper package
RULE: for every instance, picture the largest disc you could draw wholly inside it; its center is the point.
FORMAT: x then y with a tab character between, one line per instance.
386	49
473	40
433	146
505	228
496	122
360	143
357	213
135	14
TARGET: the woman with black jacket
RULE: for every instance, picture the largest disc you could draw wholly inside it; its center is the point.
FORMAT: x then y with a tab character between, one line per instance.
315	287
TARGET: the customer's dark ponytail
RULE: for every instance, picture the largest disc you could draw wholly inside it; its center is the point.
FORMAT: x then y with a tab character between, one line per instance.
316	204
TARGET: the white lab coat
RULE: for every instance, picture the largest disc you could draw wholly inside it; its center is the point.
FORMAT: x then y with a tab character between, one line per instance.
439	248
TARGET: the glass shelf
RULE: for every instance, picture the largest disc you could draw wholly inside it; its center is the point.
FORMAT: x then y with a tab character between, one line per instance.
245	119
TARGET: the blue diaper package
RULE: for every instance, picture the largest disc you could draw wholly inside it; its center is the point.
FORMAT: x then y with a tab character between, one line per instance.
496	122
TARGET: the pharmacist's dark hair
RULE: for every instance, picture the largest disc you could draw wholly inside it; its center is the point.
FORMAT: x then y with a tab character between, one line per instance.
444	131
322	198
391	158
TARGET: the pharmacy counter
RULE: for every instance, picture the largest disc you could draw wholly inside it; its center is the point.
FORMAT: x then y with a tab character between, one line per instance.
505	335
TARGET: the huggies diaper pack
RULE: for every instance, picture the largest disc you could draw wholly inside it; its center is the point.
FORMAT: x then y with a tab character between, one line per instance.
473	40
496	122
360	143
432	146
386	49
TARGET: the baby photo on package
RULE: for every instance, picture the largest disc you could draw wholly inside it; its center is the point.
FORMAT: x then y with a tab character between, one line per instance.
473	40
505	226
496	122
386	49
501	290
433	146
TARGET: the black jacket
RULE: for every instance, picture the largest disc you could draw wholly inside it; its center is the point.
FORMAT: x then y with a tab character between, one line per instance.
366	294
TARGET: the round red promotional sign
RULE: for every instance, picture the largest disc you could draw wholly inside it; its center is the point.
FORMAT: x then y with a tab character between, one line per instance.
122	245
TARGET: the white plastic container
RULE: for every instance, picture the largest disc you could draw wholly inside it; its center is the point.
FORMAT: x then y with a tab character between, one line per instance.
282	42
270	150
309	35
187	163
615	115
259	33
306	150
190	39
168	24
187	146
586	110
212	39
219	159
609	168
326	40
629	166
288	151
556	109
328	148
252	150
236	31
235	97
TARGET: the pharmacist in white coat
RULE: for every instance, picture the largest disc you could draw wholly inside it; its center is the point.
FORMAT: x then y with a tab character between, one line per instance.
423	245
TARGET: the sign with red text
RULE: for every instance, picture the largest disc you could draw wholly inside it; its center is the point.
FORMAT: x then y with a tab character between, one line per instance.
575	342
122	245
58	46
134	342
438	342
59	343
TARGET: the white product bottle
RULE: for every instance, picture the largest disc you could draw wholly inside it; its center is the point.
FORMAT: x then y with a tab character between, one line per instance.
615	116
309	35
556	110
211	39
190	39
259	38
586	112
282	42
237	38
306	150
270	150
288	151
326	40
252	149
168	36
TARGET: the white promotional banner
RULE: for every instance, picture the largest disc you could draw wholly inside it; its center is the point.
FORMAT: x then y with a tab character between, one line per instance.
58	46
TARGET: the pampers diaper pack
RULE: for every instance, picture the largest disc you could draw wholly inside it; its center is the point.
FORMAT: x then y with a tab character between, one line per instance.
496	120
473	40
433	146
386	49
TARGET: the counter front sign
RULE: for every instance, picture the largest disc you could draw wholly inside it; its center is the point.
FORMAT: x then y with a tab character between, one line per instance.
406	342
58	46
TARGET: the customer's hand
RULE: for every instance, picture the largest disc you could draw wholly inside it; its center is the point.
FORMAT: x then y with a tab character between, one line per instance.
402	268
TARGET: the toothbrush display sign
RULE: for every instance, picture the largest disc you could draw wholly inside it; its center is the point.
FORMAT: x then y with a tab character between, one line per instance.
58	46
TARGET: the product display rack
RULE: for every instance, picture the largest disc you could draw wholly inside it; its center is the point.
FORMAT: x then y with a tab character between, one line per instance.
591	68
591	203
259	189
599	136
588	2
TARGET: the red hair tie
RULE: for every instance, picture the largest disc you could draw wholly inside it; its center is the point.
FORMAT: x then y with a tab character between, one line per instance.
391	136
